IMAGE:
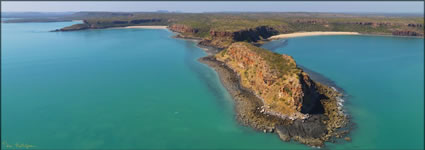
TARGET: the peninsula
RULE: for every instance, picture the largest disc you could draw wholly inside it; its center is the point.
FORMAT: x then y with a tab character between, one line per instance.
272	94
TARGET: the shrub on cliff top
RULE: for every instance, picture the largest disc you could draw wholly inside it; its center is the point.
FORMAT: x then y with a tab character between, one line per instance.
276	61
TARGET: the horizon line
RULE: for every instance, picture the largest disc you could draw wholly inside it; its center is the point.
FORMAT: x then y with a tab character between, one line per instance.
177	11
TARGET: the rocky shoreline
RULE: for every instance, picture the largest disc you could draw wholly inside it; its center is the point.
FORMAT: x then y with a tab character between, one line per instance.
313	131
248	105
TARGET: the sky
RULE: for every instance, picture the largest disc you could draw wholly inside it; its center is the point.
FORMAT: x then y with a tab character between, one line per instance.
209	6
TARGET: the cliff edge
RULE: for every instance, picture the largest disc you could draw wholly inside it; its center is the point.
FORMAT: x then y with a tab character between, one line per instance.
285	90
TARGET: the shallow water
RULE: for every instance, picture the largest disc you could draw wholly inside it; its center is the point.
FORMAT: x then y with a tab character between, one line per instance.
383	80
115	88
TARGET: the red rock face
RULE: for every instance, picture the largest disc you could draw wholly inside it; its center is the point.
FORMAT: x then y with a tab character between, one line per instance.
290	94
183	28
406	33
214	33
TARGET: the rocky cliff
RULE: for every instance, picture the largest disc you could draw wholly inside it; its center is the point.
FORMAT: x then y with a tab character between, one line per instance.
248	35
284	98
252	35
222	38
286	90
183	29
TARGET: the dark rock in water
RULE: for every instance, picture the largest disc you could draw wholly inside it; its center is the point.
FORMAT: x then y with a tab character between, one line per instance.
309	128
283	133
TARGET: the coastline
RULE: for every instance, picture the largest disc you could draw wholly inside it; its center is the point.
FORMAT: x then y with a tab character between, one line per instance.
271	38
207	49
315	33
390	35
141	27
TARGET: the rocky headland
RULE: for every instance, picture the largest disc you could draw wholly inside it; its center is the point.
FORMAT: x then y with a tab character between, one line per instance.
273	95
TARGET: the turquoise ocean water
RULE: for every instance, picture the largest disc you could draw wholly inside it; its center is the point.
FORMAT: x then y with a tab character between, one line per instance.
114	88
142	89
383	78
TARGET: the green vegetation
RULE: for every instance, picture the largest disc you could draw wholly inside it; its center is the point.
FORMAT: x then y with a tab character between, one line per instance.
233	22
274	60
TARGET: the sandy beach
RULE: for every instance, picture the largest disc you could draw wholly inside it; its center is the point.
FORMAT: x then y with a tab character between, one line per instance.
143	27
300	34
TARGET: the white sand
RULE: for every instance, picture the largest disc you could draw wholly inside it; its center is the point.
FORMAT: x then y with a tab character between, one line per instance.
143	27
299	34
